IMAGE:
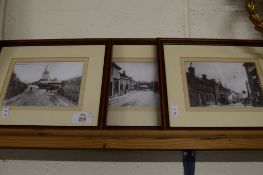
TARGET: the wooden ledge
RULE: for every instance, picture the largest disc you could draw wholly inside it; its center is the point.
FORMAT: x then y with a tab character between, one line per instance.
132	139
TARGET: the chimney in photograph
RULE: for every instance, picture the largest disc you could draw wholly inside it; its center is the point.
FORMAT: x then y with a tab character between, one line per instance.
204	76
191	70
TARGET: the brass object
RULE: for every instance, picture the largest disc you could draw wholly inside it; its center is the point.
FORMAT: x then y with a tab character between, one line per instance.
254	16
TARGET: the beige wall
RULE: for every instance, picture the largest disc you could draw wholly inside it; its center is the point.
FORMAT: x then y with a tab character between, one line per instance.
31	19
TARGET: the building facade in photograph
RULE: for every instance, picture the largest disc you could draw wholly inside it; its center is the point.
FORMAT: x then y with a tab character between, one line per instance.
127	84
45	75
120	83
255	95
45	82
208	92
114	86
153	86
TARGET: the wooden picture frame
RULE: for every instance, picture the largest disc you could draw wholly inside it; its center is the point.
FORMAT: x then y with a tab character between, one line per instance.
49	94
175	52
123	110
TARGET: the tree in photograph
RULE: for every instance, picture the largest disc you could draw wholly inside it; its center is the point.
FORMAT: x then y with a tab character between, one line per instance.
16	86
71	89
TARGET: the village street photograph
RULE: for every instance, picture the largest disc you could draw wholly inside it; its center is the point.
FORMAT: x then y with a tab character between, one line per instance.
134	84
219	84
44	84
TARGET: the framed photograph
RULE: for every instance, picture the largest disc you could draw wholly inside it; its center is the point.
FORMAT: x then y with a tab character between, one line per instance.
213	84
133	92
52	85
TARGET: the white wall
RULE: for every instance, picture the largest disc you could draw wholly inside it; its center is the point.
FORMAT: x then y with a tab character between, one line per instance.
34	19
27	19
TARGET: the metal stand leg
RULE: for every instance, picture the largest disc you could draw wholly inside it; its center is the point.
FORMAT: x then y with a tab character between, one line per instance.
189	162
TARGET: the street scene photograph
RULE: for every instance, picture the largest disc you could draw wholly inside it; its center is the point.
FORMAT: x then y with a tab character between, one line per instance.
219	84
44	84
134	84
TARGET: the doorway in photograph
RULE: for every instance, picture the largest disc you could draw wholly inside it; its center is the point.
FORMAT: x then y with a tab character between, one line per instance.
134	84
225	83
44	83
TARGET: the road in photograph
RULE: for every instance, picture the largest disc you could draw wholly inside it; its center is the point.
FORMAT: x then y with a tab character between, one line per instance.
33	96
136	98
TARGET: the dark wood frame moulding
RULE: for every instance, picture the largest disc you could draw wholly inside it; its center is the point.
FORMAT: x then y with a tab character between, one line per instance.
130	41
129	138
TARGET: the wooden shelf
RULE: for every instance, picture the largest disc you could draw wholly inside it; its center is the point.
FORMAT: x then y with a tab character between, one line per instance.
132	139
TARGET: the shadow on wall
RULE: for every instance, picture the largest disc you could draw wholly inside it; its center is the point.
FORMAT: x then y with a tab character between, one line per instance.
2	17
239	13
126	156
259	9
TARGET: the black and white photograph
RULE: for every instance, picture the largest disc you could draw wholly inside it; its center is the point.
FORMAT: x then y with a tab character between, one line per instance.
134	84
223	84
44	84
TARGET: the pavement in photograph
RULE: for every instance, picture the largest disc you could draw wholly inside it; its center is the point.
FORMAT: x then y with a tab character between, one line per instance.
38	97
136	98
231	105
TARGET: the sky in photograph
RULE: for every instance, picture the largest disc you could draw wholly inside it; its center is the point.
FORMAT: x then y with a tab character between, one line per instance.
233	75
140	71
31	72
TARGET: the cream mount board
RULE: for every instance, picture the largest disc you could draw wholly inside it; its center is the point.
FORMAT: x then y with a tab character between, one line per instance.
212	110
62	65
129	57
